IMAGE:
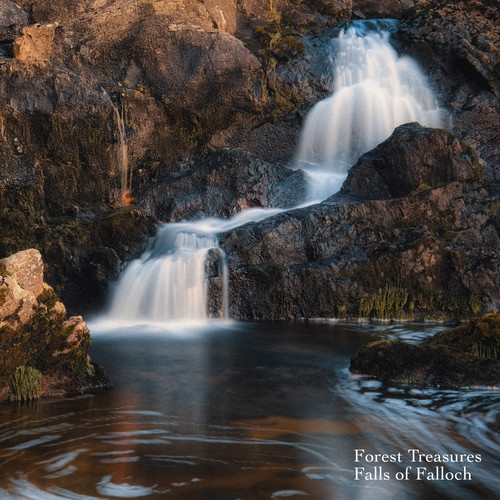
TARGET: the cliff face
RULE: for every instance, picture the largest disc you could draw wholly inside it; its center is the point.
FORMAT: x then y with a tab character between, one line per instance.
42	351
206	99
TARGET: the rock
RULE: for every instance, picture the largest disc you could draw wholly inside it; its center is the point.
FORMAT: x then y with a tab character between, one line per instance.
35	333
465	356
36	43
432	251
379	9
26	268
12	18
226	182
457	44
413	158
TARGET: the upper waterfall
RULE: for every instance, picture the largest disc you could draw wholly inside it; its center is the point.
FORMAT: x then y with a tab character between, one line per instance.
375	90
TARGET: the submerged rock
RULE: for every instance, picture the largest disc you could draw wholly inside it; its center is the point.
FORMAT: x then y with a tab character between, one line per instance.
42	351
465	356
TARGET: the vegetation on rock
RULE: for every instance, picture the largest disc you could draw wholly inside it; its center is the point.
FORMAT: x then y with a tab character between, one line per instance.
464	356
26	383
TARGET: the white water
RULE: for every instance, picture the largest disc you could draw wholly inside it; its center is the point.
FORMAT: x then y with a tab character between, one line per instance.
123	163
375	91
168	283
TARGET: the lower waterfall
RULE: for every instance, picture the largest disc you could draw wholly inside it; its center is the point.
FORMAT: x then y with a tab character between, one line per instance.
375	90
168	284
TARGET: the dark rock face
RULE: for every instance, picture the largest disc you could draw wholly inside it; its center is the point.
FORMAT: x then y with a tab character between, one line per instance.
413	157
433	252
465	356
225	183
457	43
378	9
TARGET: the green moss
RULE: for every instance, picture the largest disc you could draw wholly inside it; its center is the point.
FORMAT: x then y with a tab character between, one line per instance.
434	318
391	302
483	351
342	311
49	298
286	99
26	383
420	189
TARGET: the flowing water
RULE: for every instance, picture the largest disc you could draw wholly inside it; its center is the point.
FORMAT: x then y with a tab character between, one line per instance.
375	90
254	411
248	411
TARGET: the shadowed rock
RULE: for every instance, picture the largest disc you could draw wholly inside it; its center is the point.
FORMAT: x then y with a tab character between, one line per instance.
465	356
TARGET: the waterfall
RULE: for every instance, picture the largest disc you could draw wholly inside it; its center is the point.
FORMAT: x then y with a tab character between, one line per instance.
168	283
375	90
123	163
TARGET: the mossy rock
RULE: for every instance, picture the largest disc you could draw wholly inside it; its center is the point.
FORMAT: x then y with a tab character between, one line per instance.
449	359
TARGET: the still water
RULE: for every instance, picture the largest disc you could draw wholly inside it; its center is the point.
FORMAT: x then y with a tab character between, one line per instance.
247	411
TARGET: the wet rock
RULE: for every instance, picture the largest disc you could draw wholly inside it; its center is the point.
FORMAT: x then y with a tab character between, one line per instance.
378	9
414	158
465	356
223	184
424	252
457	44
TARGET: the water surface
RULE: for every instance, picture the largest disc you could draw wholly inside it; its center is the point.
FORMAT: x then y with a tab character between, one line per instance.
249	411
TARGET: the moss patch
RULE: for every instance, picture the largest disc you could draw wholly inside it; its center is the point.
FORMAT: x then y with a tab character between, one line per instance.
26	383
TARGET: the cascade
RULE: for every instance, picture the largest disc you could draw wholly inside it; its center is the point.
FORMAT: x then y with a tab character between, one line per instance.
123	163
168	282
375	90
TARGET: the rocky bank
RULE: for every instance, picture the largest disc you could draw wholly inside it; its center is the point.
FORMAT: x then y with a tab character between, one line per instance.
464	356
207	99
42	351
413	234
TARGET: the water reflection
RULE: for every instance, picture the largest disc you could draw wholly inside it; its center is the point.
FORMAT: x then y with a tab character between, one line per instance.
258	411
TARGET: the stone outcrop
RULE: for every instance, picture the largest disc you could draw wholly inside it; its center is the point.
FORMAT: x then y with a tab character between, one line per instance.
35	332
223	184
413	158
465	356
457	43
428	250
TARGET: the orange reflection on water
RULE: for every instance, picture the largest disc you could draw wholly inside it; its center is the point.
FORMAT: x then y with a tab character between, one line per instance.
274	426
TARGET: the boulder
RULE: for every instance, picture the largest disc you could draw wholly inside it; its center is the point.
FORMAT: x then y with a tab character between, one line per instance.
223	184
413	159
36	43
36	335
26	268
465	356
